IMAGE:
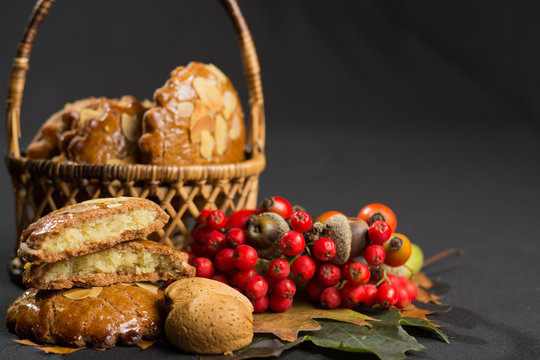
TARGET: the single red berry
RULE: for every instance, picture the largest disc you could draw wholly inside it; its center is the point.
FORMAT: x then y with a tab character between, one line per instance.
314	290
216	220
285	287
403	299
221	278
201	219
330	298
204	267
371	295
256	287
387	295
215	243
351	295
278	269
276	205
301	221
392	279
239	218
328	274
357	273
374	254
292	243
411	289
379	232
324	249
240	278
261	304
224	261
280	303
245	257
303	268
235	237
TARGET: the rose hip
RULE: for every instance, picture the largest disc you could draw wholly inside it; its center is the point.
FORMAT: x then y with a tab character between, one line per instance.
371	295
239	218
330	298
303	268
328	274
324	249
403	299
261	304
379	232
351	295
256	287
411	289
285	288
292	243
280	303
240	278
204	267
374	254
224	261
357	273
215	243
276	205
216	220
245	257
387	295
278	269
201	219
301	221
235	237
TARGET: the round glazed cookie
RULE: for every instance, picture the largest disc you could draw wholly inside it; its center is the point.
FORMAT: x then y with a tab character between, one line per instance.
123	314
197	119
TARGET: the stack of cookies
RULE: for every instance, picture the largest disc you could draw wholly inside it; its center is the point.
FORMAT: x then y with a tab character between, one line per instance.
95	245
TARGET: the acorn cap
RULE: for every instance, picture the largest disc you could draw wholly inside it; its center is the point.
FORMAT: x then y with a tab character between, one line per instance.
337	228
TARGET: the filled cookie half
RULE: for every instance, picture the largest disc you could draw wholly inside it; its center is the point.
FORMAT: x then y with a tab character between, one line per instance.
88	227
139	260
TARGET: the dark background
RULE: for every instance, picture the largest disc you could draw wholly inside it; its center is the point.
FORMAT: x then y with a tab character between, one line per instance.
432	108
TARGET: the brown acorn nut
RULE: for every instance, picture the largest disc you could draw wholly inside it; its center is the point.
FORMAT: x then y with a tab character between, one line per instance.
349	235
264	233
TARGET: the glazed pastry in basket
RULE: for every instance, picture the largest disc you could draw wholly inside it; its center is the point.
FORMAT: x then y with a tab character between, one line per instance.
197	119
96	317
88	227
139	260
94	130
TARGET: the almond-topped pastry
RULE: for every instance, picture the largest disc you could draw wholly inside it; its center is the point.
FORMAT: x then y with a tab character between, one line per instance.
197	119
93	130
138	260
96	317
88	227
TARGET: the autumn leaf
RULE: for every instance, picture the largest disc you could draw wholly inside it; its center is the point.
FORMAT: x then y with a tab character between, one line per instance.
145	344
426	297
300	317
422	280
48	349
413	311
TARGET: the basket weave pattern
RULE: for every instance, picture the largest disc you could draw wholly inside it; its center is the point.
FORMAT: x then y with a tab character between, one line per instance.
42	186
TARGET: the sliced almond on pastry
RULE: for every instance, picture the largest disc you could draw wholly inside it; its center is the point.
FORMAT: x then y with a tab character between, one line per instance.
207	144
221	135
203	123
185	109
229	103
236	128
131	127
208	93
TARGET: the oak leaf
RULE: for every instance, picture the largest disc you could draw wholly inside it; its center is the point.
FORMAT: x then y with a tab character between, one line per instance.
300	317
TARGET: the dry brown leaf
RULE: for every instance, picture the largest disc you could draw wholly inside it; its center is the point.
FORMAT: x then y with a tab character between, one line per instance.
422	280
300	317
413	311
145	344
427	297
47	349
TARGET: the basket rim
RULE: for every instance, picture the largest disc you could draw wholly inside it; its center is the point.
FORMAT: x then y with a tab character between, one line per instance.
135	172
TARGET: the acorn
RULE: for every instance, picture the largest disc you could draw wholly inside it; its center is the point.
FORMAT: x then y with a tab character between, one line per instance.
349	234
264	233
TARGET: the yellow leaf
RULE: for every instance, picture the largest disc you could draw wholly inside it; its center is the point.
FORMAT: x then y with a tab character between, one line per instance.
145	344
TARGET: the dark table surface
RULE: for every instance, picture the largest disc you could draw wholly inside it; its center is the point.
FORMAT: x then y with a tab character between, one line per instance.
431	109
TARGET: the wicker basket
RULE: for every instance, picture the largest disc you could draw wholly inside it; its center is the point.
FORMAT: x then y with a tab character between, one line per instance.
41	186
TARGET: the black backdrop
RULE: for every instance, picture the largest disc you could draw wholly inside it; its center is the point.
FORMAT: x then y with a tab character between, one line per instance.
429	107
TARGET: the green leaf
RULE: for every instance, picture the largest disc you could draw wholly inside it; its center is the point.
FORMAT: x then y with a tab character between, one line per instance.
386	341
263	345
426	325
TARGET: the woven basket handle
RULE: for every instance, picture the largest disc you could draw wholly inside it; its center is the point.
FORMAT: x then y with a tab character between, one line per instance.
255	136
